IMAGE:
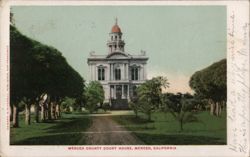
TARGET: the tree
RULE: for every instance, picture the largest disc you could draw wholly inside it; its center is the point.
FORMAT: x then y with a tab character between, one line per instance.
134	105
106	106
150	95
182	107
19	48
94	95
211	83
38	70
68	103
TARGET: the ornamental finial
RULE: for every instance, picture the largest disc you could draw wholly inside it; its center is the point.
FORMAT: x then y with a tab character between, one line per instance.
116	21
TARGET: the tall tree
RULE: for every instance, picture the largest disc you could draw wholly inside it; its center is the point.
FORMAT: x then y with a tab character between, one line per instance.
38	69
150	94
211	83
94	95
181	106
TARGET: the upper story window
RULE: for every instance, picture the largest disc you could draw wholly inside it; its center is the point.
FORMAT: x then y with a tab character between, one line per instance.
134	73
101	73
117	74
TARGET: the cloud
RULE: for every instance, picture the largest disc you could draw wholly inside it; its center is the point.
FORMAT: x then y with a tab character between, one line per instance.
178	82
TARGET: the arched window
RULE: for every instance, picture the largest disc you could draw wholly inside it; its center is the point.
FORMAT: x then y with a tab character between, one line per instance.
117	74
134	73
101	73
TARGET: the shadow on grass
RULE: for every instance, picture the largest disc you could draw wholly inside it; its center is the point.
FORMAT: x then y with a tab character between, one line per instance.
72	125
178	139
62	139
65	132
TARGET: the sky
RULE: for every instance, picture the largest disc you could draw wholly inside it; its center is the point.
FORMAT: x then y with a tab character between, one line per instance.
179	40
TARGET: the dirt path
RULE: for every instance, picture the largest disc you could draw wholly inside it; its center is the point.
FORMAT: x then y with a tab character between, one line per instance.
105	131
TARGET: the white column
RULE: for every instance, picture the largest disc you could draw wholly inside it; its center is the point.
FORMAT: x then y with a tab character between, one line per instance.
107	72
139	73
111	71
142	72
95	72
114	91
128	96
111	92
128	72
123	96
145	71
123	72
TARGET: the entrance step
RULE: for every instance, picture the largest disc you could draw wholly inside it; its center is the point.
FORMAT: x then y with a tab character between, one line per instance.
119	104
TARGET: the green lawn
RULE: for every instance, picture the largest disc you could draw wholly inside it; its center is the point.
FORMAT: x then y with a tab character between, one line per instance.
164	129
65	131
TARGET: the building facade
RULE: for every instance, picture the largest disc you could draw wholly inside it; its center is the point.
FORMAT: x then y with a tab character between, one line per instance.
118	71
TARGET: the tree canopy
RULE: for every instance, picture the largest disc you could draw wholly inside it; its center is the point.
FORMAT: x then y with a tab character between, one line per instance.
37	68
150	94
94	95
211	82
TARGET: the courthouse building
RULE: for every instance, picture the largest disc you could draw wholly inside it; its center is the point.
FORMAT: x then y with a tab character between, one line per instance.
118	71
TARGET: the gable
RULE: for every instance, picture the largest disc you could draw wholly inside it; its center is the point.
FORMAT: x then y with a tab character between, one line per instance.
117	55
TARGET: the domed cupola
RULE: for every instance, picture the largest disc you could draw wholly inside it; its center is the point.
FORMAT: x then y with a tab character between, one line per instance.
116	29
115	44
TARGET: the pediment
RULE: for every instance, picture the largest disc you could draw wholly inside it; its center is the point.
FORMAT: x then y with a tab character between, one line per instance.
117	55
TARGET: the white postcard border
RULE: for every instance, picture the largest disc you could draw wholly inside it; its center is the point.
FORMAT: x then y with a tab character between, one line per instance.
238	87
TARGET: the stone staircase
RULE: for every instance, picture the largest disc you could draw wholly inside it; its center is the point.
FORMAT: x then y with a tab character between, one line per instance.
119	104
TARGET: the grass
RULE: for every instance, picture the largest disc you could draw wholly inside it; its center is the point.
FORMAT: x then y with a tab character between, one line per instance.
65	131
164	129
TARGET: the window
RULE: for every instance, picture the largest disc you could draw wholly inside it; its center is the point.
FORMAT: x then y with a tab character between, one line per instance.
101	74
117	74
134	73
115	37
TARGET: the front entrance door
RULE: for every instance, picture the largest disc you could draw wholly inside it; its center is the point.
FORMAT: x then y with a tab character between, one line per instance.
118	92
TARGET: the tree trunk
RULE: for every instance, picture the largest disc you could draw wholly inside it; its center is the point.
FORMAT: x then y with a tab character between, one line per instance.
42	112
57	110
53	112
220	109
15	116
217	109
211	108
37	113
49	110
27	114
46	115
